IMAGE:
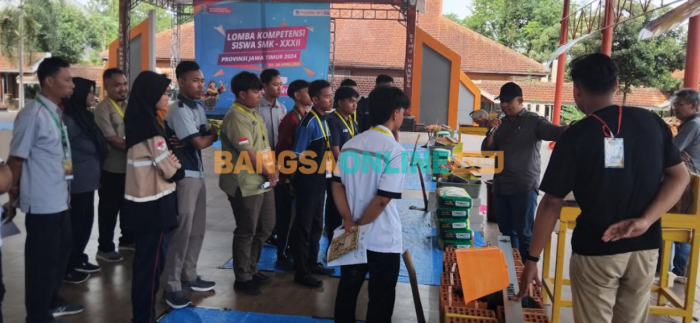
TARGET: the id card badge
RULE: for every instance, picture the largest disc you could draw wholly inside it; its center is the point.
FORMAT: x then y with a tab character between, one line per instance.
614	153
329	169
67	159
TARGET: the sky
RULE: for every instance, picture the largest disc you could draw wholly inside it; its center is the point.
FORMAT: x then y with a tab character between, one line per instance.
456	6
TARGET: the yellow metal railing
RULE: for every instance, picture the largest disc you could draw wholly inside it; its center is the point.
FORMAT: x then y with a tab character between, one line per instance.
681	228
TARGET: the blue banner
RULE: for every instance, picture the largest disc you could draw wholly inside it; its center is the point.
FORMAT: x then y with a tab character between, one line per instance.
231	37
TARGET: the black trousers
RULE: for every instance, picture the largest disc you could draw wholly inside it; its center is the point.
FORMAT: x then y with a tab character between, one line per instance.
46	253
283	209
82	215
332	219
111	204
383	271
307	227
149	261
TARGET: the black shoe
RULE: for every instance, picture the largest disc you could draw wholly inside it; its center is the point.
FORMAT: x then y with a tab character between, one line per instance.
262	279
249	287
284	263
318	269
76	277
199	285
271	241
87	268
176	300
308	280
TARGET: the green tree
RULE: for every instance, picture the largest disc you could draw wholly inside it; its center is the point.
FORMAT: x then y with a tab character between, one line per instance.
528	26
571	113
37	14
105	16
75	34
647	63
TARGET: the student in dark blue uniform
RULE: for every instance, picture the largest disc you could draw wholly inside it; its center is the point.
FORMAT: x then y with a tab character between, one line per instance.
312	135
343	128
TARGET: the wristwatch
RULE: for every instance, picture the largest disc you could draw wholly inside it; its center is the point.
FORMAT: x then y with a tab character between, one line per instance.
531	258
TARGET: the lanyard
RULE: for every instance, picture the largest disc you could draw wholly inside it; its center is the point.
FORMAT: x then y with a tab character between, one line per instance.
354	115
116	107
605	125
382	131
325	132
297	112
59	125
352	131
262	129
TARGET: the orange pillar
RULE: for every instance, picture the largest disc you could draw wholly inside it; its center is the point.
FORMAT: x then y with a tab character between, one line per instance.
608	29
561	64
692	55
411	17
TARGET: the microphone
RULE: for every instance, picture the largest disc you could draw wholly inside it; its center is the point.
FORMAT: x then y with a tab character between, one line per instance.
501	116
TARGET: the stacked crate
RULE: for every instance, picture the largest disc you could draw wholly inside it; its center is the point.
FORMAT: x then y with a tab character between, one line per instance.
451	298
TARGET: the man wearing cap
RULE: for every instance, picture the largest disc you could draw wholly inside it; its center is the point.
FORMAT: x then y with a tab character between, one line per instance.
519	135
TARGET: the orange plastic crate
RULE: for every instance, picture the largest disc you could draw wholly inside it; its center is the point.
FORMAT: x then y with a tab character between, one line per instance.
482	313
468	320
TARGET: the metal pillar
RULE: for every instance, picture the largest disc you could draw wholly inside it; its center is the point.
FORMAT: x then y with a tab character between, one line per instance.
124	36
561	64
411	17
692	56
606	48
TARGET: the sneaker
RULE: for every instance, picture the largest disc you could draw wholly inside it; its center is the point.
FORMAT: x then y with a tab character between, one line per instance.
681	280
67	309
320	270
271	241
248	287
284	263
308	281
87	268
176	300
262	279
109	256
199	285
76	278
127	247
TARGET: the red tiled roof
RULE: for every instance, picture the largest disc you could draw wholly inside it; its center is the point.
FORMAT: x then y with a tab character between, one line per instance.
365	84
30	60
377	43
543	92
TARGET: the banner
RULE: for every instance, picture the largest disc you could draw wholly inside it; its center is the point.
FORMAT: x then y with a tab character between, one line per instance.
231	37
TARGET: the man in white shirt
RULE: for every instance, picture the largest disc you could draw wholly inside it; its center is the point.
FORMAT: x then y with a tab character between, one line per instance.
366	198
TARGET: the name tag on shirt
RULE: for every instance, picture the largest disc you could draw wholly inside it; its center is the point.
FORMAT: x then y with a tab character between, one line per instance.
614	153
345	130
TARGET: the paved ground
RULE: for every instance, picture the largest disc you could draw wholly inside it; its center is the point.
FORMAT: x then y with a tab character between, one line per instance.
106	295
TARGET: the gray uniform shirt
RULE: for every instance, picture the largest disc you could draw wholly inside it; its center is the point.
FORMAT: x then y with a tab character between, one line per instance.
43	188
272	114
86	158
688	140
520	140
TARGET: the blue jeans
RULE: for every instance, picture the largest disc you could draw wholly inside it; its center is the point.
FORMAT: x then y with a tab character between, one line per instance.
680	258
516	215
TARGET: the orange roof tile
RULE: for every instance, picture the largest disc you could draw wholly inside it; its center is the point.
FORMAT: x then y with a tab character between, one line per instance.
31	61
543	92
382	43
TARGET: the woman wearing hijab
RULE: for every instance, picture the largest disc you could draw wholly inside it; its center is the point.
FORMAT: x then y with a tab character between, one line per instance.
150	206
88	150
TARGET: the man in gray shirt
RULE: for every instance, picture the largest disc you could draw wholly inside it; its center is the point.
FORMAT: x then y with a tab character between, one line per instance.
270	108
685	106
40	159
519	135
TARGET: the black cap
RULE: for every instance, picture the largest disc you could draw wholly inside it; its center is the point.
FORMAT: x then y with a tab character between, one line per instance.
509	91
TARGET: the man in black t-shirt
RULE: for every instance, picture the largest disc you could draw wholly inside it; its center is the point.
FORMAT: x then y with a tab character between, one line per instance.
625	172
363	119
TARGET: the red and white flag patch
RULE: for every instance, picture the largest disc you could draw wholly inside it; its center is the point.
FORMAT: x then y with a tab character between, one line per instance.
243	141
161	145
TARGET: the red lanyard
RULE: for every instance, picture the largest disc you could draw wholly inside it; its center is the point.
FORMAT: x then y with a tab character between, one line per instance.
605	125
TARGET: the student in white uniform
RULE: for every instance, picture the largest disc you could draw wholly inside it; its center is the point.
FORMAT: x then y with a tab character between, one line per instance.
367	198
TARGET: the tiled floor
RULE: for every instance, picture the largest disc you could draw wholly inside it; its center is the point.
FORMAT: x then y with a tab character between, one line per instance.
106	295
